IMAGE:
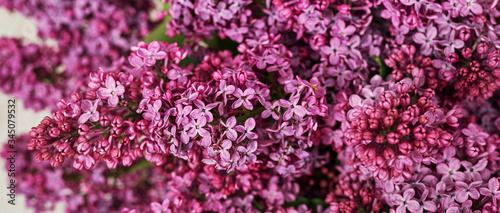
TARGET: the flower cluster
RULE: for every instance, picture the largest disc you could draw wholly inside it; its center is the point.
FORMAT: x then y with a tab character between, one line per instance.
289	106
87	35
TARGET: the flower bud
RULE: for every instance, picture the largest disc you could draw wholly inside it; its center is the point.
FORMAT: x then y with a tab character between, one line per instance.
83	129
84	148
322	4
317	41
393	138
242	48
217	75
403	129
116	153
117	121
466	52
389	154
90	95
405	148
405	100
62	104
482	48
344	9
242	76
388	121
493	62
76	96
464	34
472	151
453	57
419	132
402	87
54	132
373	123
127	160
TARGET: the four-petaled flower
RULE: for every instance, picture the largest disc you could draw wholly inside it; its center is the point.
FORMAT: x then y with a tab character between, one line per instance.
90	112
246	130
406	202
161	208
151	54
243	98
111	91
491	190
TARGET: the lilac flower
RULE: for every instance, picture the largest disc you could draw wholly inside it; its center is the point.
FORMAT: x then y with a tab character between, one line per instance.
282	131
464	191
179	74
426	204
138	65
89	110
87	161
197	128
335	50
222	13
334	136
343	75
266	58
151	54
450	171
247	130
224	148
470	6
271	109
236	33
111	92
161	208
228	162
203	110
248	152
224	90
293	107
452	43
453	6
152	114
285	171
474	134
391	13
466	207
427	40
405	201
243	98
273	195
282	66
230	132
474	172
341	31
492	190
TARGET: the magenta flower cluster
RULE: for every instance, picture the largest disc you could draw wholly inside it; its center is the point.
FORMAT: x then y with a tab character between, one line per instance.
86	35
286	106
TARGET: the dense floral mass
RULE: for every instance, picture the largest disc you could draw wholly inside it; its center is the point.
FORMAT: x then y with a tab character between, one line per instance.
278	106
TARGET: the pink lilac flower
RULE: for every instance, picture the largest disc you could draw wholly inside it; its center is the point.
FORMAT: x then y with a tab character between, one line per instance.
246	130
152	53
406	202
464	191
161	208
89	111
491	190
111	91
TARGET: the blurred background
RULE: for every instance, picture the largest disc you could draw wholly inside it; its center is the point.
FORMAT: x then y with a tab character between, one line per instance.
15	25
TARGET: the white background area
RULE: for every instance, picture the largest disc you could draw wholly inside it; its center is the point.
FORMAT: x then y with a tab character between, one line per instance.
15	25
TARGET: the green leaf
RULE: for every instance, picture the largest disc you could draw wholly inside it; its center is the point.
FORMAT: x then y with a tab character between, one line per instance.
257	205
384	69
